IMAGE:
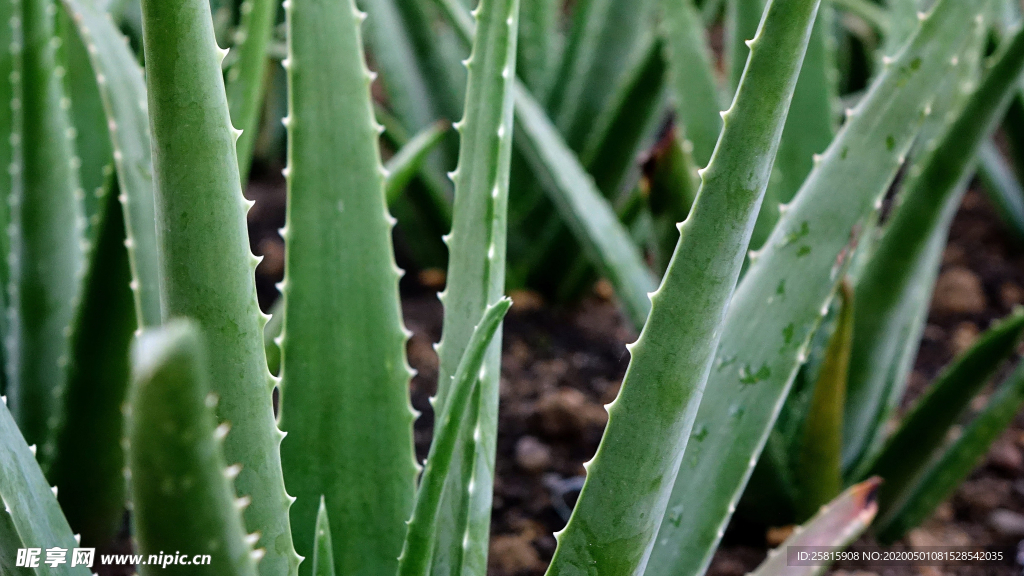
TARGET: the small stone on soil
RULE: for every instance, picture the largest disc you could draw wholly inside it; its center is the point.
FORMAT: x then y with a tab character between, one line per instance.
958	291
1007	523
532	455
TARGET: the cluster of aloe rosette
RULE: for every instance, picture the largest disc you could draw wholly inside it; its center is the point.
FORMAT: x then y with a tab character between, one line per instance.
779	310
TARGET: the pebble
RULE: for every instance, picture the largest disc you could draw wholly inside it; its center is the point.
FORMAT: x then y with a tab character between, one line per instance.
568	412
958	291
512	554
532	455
1007	523
272	250
1011	295
964	336
776	535
1005	456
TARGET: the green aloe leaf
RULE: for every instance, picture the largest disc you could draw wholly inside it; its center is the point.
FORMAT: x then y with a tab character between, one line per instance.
923	432
7	179
181	493
409	160
784	294
476	279
10	542
89	121
650	421
48	229
540	43
742	17
837	524
1002	187
423	534
29	502
955	463
588	214
808	133
247	74
206	269
89	461
895	287
344	375
692	78
818	471
603	37
123	92
323	549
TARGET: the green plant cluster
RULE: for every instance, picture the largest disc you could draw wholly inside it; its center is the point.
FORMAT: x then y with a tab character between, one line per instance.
777	259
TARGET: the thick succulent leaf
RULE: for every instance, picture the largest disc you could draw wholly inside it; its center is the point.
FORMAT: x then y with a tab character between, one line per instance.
206	269
742	18
47	229
837	524
808	133
344	375
180	486
89	460
123	91
418	82
617	135
955	463
89	121
672	180
540	43
1003	188
422	535
10	542
614	524
604	35
6	177
247	74
323	549
895	287
818	471
692	77
923	432
783	296
408	161
476	279
29	501
583	208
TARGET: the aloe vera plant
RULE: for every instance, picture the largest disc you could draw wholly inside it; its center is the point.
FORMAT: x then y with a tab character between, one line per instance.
128	230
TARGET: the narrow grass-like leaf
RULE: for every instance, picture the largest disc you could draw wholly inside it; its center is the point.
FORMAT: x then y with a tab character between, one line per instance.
784	294
1003	188
247	74
29	501
895	286
955	463
323	549
181	493
584	209
604	35
691	77
48	228
344	375
206	269
615	521
837	524
123	90
818	471
924	430
476	279
422	535
7	179
89	461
